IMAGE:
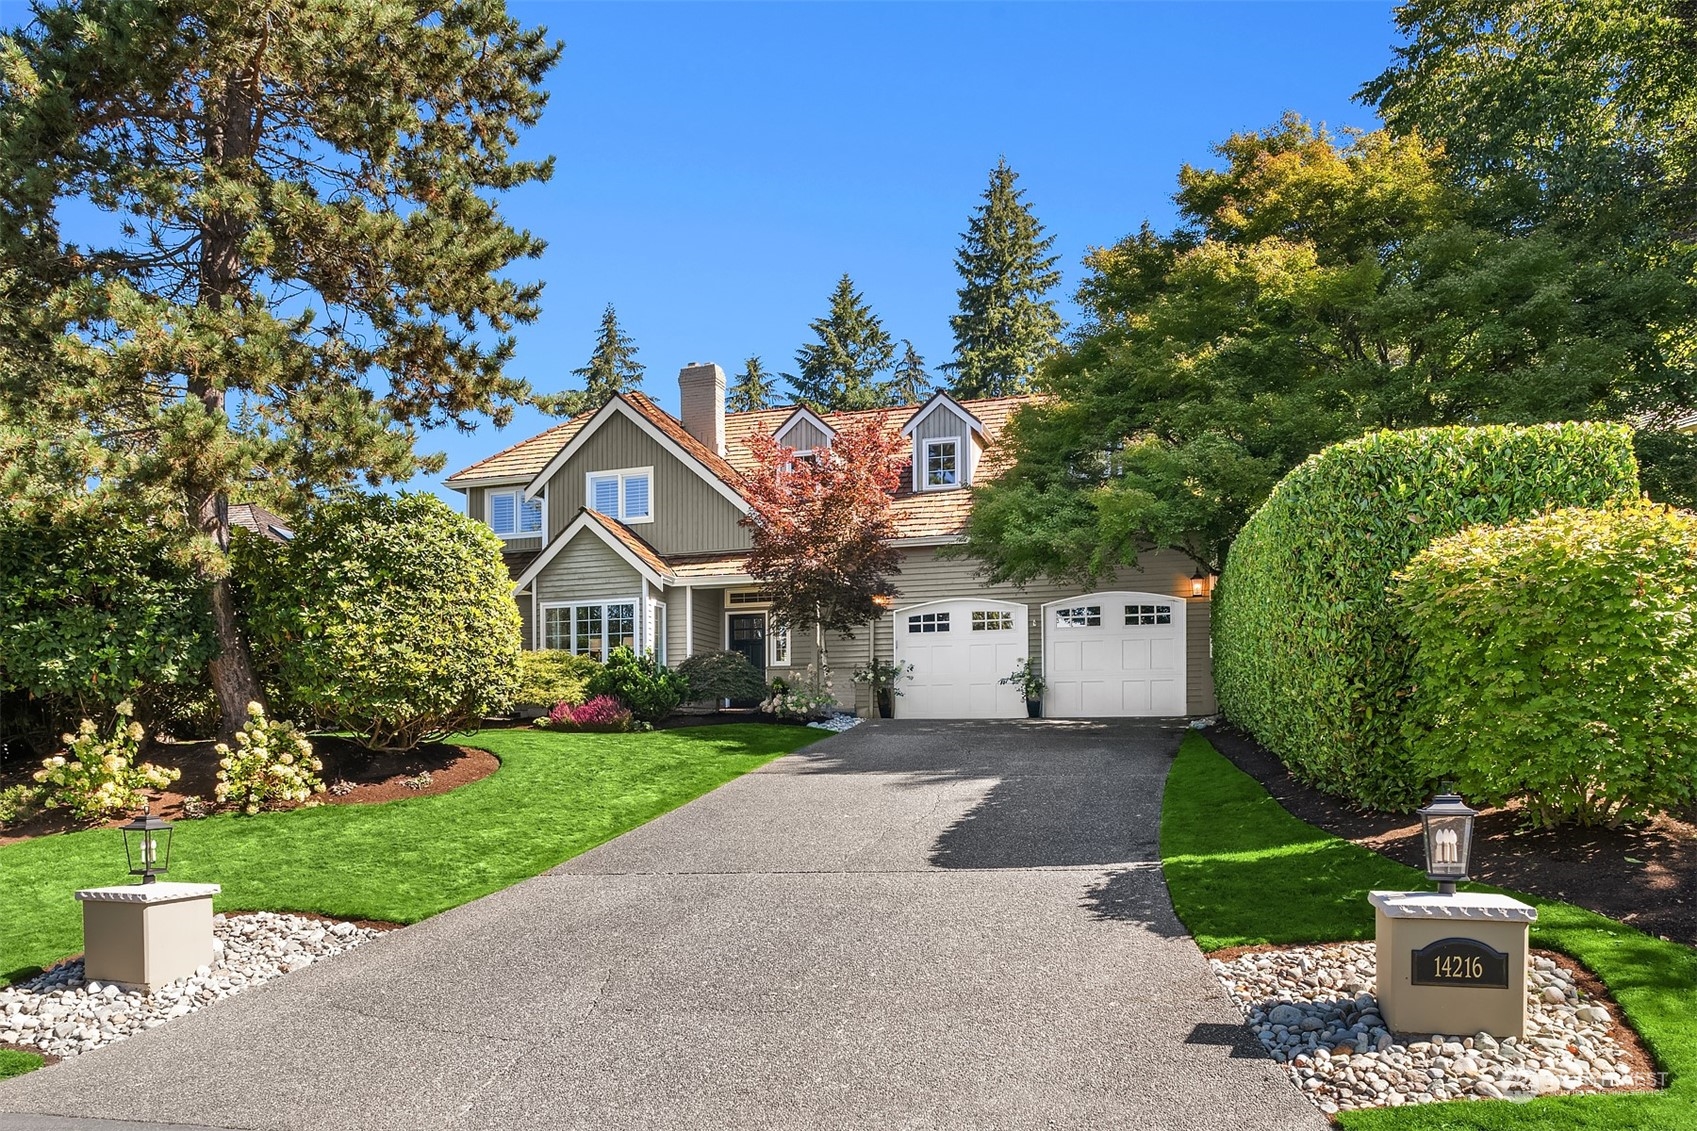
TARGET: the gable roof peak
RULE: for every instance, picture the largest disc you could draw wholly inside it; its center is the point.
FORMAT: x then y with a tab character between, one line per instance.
938	400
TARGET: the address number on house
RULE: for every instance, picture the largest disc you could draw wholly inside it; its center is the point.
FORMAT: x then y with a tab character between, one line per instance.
1460	962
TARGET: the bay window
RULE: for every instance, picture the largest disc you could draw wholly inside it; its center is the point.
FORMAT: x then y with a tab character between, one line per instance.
589	629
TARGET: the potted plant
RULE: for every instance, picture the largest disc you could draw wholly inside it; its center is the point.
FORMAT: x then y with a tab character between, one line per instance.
882	678
1025	676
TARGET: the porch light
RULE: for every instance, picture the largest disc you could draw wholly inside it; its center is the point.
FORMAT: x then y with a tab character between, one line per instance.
144	846
883	601
1198	583
1448	825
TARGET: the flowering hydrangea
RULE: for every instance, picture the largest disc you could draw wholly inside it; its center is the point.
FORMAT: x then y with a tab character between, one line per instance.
809	698
97	776
602	712
271	767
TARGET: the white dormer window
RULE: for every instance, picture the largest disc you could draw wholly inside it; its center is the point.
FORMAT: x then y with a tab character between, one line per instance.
625	494
511	515
941	464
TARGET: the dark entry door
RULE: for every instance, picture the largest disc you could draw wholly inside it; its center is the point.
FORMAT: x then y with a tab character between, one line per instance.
748	636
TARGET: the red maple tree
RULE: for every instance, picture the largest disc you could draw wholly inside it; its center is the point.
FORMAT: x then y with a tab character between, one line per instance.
822	526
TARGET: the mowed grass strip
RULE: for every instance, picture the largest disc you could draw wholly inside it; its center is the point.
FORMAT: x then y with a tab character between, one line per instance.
554	796
15	1063
1243	871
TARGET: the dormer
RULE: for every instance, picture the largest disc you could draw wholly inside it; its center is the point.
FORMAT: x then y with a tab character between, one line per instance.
947	440
806	432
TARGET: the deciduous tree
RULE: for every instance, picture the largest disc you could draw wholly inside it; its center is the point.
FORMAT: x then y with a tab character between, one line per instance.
822	527
254	247
1006	327
844	367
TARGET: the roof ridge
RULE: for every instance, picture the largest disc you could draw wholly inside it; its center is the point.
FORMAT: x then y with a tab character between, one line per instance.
512	448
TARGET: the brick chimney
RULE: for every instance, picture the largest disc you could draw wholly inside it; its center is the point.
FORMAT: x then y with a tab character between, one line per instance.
701	389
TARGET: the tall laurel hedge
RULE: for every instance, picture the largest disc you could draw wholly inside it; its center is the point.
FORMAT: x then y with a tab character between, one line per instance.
1555	662
1308	655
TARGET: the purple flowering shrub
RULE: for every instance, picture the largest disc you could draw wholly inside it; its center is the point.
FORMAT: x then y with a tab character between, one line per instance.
600	713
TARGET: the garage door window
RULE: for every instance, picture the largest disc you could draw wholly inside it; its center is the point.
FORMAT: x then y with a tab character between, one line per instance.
1080	616
1148	614
928	622
989	620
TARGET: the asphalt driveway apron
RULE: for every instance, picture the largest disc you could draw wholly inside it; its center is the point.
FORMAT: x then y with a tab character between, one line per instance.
911	925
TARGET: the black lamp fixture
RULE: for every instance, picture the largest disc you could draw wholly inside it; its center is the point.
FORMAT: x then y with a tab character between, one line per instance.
1198	583
1448	825
144	846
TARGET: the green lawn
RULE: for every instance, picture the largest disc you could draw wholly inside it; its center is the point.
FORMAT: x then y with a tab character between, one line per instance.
1242	870
14	1063
555	795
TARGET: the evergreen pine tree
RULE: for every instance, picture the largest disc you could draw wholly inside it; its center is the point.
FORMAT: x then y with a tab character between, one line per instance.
753	389
613	367
841	370
1005	327
912	383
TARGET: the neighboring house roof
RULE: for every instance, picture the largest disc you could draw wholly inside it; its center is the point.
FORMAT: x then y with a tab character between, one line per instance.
1686	423
918	514
252	516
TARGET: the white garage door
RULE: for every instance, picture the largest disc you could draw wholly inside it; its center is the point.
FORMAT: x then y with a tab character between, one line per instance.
959	650
1117	653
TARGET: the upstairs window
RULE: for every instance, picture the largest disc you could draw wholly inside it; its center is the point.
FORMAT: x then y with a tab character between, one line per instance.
624	495
511	515
942	464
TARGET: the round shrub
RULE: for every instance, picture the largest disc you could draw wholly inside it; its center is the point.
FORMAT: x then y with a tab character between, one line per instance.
550	677
1309	657
1556	662
94	612
391	618
713	676
649	688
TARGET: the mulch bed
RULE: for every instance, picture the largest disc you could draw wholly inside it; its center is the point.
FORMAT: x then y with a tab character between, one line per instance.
373	778
1645	876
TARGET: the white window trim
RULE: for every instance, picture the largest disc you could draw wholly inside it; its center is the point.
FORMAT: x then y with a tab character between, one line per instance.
520	501
778	645
624	473
571	635
922	457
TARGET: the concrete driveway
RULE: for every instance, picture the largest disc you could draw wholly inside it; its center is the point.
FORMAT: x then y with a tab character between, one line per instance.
911	925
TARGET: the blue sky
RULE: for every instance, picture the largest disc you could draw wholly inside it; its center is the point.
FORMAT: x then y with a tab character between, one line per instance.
720	165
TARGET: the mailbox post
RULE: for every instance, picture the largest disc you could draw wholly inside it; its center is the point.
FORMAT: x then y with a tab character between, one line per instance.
1450	961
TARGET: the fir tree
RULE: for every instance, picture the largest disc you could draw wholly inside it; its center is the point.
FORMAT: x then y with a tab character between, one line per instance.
912	383
299	264
842	369
753	389
1005	327
612	368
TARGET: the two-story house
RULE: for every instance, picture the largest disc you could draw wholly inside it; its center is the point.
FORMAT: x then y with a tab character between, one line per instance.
623	527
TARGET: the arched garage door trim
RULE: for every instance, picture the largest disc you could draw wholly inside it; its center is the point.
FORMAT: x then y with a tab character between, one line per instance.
958	658
1115	652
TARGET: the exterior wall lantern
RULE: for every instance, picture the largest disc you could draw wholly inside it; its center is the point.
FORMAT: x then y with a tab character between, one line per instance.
1198	583
143	846
1448	825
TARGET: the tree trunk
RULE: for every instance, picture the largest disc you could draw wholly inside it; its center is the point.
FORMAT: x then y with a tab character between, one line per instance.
233	678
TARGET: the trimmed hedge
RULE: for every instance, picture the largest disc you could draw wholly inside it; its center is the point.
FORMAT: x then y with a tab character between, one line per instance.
1556	662
549	677
391	618
1308	655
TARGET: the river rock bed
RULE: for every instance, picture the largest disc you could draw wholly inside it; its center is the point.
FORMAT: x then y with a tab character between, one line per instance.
59	1013
1314	1009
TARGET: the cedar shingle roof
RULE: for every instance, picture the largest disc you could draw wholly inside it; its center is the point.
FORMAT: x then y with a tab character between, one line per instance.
918	514
649	556
252	516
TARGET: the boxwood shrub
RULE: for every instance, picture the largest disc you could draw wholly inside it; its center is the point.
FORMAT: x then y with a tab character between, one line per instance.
549	677
390	618
1308	655
1556	662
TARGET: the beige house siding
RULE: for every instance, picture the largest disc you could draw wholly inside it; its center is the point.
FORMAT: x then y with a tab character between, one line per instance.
587	570
709	620
690	515
677	624
527	619
476	508
804	435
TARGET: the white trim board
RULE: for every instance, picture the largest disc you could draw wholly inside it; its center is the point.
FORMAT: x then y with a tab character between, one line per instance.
618	407
585	519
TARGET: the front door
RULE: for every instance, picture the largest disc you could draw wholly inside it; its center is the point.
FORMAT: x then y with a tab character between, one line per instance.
748	636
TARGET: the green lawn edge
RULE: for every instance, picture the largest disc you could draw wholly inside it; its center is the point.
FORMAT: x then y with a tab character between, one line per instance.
15	1063
1242	870
554	796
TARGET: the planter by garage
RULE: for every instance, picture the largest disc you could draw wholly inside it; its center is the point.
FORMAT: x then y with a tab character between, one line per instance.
1034	708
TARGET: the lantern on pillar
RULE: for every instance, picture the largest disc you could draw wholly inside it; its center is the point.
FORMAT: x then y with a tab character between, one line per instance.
148	853
1448	827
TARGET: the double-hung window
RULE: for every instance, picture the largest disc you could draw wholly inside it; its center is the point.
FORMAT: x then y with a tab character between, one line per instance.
625	494
591	629
942	464
511	515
